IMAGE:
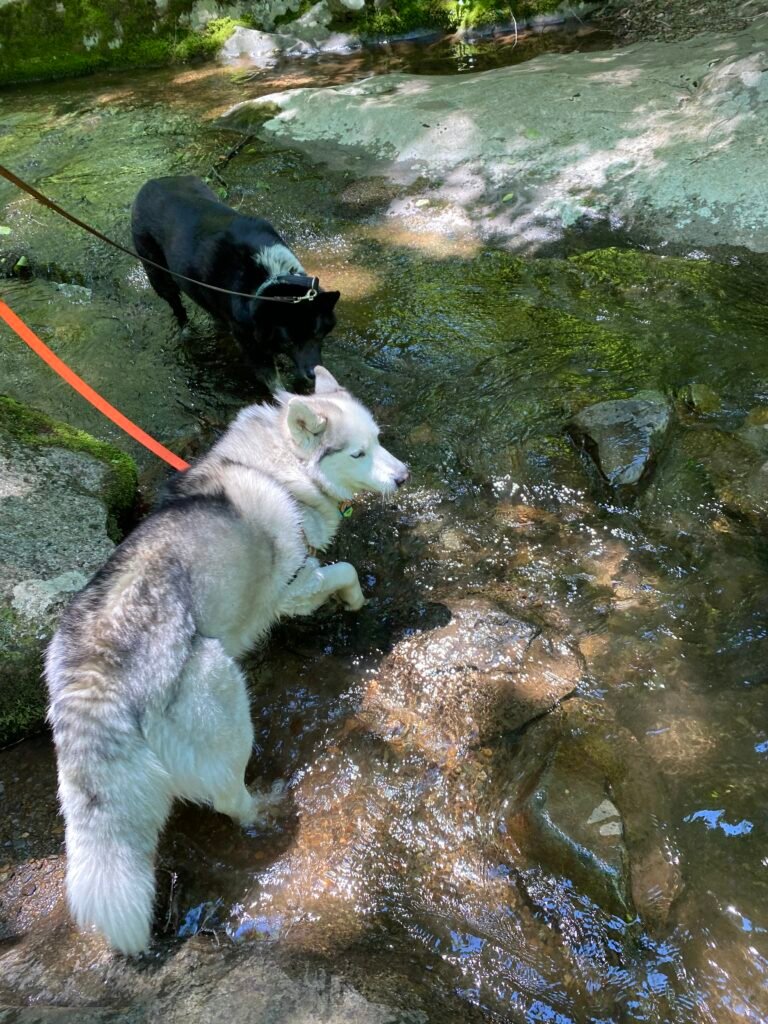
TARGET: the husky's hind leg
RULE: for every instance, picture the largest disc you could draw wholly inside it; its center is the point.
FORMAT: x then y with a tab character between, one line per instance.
205	737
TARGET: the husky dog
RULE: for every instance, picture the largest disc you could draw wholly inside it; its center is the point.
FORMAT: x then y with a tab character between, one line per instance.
181	224
147	702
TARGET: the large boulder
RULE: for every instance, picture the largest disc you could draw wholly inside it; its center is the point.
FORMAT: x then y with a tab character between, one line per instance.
63	495
592	807
531	150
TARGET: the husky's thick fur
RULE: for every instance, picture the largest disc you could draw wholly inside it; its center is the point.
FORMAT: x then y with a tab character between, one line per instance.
179	223
147	702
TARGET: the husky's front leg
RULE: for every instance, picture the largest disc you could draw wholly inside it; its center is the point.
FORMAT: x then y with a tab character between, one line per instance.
314	584
341	578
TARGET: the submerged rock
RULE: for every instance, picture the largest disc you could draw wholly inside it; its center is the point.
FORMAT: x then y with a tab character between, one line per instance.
482	674
623	436
754	430
580	831
736	468
595	812
702	399
62	494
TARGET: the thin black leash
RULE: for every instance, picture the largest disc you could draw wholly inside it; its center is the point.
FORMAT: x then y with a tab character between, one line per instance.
45	201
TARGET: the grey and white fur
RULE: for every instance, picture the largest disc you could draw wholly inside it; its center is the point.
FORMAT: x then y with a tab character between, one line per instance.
147	701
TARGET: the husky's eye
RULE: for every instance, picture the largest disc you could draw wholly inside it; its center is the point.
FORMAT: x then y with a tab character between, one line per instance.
357	455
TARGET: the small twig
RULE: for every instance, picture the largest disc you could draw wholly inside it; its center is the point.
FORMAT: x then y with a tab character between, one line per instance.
174	876
222	161
218	177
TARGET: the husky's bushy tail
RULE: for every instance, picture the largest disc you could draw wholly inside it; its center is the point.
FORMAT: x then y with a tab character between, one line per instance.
115	796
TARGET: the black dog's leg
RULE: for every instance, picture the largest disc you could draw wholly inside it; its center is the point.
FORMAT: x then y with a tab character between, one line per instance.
261	364
162	282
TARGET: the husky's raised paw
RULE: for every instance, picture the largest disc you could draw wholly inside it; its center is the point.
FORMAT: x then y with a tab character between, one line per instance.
353	599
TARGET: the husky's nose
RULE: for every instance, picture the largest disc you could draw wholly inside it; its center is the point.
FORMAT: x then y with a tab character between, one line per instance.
402	477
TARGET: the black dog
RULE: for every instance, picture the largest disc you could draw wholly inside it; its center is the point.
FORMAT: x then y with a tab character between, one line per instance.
182	225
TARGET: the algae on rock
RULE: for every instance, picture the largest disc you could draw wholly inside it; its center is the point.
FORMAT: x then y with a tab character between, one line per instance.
63	498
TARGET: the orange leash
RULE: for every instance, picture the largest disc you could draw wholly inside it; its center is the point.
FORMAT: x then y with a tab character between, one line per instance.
86	391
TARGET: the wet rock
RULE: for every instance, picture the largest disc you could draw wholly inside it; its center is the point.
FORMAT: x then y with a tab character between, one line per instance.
747	495
580	830
61	496
701	398
197	983
303	37
569	157
623	436
597	813
482	674
262	49
736	469
680	499
754	430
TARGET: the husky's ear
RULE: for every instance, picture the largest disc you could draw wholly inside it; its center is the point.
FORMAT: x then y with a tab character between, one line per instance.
325	382
328	299
306	426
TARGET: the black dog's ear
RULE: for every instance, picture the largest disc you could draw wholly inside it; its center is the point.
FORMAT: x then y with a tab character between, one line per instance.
328	299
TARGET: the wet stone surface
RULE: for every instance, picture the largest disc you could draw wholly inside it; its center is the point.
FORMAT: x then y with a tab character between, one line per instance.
482	674
623	436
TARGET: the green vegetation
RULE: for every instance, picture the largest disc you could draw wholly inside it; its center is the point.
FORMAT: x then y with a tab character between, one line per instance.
34	428
408	15
449	15
45	40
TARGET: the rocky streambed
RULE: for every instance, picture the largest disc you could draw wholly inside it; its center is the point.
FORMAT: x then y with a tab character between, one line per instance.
527	780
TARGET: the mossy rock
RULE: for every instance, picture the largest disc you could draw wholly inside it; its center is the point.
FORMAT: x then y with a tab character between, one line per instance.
64	498
22	693
31	427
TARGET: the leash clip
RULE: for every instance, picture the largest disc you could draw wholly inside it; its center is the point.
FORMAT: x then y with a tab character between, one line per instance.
311	293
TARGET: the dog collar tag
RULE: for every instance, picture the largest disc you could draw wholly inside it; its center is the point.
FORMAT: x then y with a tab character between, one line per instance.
346	508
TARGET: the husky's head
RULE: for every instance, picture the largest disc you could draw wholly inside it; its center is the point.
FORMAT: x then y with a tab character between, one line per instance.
339	440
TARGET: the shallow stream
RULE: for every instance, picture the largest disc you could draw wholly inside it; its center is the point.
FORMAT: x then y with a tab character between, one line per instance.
602	860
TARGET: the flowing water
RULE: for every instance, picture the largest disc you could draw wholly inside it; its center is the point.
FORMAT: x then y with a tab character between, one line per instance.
451	849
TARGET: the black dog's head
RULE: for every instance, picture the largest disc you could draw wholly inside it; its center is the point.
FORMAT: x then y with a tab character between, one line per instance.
297	329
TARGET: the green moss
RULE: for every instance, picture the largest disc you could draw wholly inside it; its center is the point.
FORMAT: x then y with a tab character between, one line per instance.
205	44
81	37
622	268
399	18
34	428
22	695
476	13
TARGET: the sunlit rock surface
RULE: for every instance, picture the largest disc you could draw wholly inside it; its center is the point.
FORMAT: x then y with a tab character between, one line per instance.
655	137
482	674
